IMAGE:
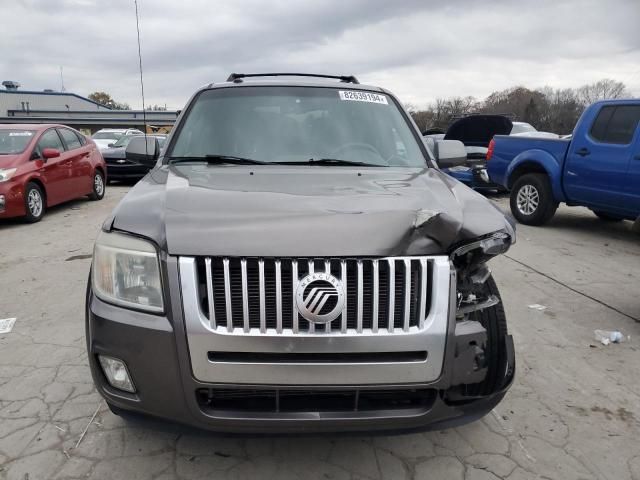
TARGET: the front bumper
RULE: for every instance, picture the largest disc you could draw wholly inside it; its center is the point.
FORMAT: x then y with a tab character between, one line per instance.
156	351
11	199
474	177
124	171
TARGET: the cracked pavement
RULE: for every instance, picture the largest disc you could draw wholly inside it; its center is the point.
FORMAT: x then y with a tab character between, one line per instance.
572	413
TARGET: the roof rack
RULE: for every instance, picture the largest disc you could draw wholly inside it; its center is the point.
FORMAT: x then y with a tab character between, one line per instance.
237	77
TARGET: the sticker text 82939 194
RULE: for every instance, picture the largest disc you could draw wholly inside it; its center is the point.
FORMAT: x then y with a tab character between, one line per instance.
358	96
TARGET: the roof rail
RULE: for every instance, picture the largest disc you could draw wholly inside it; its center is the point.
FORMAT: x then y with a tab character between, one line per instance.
237	77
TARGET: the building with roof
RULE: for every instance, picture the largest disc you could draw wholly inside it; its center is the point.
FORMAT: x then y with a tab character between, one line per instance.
48	106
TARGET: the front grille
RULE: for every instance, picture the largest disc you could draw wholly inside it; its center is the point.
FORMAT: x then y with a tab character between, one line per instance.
243	295
220	400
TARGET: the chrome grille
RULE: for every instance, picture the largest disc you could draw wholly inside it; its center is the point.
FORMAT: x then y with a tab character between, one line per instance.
241	295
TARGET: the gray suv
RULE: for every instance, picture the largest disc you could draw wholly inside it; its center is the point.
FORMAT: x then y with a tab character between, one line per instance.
296	261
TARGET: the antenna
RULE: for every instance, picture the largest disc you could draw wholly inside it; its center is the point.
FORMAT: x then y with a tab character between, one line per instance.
61	80
144	111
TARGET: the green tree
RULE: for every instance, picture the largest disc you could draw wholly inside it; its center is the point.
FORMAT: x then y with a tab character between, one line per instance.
103	98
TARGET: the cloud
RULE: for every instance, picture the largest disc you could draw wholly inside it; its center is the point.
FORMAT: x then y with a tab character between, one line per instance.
419	49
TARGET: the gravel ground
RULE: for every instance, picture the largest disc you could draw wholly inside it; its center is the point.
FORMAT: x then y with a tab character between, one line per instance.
573	412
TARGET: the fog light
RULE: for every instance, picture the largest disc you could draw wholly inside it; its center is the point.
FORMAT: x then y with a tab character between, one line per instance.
1	203
116	372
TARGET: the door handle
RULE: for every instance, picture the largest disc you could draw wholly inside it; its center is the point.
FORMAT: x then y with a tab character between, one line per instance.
583	152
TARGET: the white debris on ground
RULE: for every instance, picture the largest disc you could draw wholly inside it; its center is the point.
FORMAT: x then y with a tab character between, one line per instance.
606	337
6	325
537	306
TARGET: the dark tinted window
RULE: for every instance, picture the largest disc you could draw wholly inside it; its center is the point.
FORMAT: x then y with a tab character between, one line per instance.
50	139
70	139
616	124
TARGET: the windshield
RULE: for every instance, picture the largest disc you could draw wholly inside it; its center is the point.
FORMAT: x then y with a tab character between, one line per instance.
522	127
107	135
296	124
14	141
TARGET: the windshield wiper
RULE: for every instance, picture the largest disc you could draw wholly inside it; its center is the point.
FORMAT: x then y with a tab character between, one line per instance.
218	160
331	161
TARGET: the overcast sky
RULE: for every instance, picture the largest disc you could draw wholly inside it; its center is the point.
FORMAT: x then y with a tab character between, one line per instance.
420	49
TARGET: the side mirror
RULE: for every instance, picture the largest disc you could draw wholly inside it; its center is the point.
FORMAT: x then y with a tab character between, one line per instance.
450	153
48	153
110	145
144	150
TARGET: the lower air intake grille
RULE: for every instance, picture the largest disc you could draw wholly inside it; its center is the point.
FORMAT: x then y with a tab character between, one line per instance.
213	400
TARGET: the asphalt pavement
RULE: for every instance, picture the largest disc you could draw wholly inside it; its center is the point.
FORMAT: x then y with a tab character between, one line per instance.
573	412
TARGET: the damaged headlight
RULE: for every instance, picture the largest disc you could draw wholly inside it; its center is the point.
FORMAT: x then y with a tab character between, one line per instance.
481	250
126	271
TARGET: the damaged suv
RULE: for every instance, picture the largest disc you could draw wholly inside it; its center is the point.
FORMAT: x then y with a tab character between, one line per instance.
296	261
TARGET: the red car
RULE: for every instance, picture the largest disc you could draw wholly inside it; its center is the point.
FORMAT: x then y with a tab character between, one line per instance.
43	165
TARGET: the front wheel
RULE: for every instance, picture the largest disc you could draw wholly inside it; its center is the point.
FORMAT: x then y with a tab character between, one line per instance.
34	203
98	186
532	201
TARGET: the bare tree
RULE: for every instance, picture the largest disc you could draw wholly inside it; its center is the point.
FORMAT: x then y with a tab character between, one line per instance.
602	90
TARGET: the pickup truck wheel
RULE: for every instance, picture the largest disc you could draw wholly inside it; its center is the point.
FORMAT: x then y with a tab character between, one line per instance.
606	217
532	201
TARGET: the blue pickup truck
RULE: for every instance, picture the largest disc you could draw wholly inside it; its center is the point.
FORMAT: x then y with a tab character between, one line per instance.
598	168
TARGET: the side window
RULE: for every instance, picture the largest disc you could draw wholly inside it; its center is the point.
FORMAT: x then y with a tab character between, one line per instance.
50	139
81	138
70	138
616	124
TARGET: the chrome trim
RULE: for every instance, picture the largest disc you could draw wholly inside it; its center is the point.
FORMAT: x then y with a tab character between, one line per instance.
343	278
263	317
278	296
376	295
296	279
327	269
360	294
407	294
430	337
227	294
392	293
311	271
212	310
423	291
245	296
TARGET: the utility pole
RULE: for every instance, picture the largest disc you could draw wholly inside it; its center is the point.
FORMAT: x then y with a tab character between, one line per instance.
61	80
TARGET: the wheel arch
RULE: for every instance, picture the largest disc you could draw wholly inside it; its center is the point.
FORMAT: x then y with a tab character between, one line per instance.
536	161
38	181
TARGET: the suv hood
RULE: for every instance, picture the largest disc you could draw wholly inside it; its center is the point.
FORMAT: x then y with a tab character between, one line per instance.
304	211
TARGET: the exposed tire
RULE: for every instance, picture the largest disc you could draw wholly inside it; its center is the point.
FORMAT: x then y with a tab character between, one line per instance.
34	203
531	200
98	186
494	321
607	217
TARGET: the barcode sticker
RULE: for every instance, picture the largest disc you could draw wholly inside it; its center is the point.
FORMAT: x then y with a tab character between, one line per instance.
358	96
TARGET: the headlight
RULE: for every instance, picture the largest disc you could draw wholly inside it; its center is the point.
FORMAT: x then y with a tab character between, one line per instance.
6	174
481	250
126	272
